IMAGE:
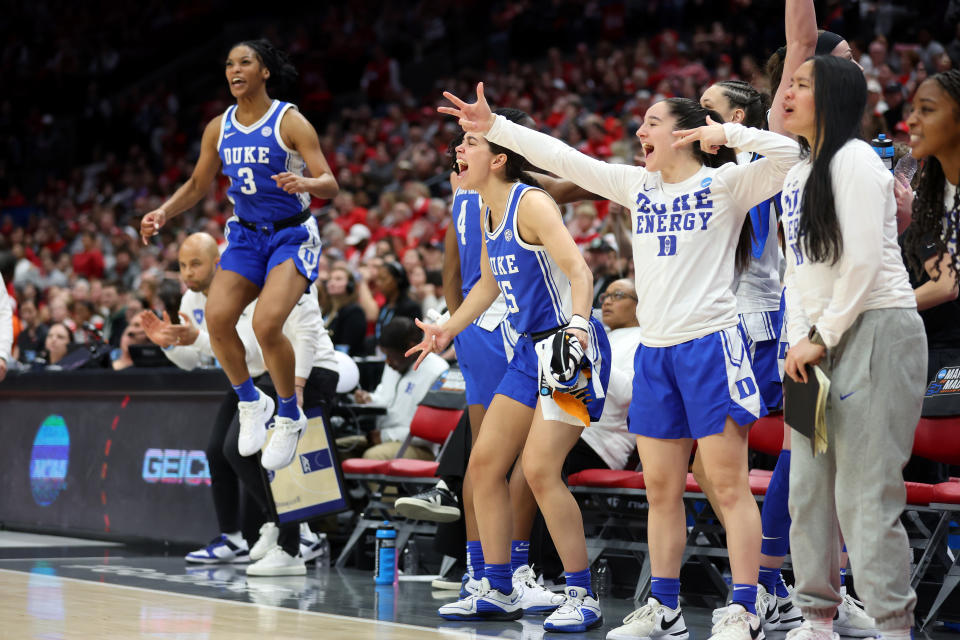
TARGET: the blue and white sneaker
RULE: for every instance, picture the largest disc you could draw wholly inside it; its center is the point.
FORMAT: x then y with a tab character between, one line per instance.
469	586
534	597
580	612
220	550
488	604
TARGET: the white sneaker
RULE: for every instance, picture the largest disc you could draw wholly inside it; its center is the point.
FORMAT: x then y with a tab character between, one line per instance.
767	610
652	621
579	612
737	624
220	550
488	604
790	616
806	632
534	597
267	540
254	417
469	586
283	443
851	620
276	562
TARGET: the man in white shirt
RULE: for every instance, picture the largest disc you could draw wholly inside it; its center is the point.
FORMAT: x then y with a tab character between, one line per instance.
6	329
400	390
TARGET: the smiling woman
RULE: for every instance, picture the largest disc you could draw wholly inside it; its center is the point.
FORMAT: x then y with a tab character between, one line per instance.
269	151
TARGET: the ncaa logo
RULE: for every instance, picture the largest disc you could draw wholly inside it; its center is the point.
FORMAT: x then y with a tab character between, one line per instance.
508	235
49	460
228	125
706	182
266	131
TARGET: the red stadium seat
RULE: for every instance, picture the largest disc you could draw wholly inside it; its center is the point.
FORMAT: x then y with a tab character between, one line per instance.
607	478
364	466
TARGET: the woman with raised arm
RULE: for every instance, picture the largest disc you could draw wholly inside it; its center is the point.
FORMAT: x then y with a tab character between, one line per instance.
544	399
693	377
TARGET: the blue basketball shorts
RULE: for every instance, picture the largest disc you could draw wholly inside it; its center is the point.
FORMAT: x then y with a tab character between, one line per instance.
522	383
762	329
253	254
689	389
483	357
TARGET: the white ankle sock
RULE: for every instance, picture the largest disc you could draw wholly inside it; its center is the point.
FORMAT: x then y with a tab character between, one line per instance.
895	634
236	538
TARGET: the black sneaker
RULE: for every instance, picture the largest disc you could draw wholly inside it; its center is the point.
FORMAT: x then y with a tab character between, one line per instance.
438	504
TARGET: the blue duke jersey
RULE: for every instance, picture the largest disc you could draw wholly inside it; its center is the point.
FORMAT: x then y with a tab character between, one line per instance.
536	291
250	155
468	220
684	233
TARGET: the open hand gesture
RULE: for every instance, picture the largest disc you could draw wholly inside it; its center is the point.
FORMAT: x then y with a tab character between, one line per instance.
435	340
474	118
711	136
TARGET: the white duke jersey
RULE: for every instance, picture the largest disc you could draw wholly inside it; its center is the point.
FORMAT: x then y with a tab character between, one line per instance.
468	218
250	155
536	291
684	234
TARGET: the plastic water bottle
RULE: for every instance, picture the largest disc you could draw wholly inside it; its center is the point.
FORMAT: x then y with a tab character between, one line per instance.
906	167
604	581
411	558
385	555
884	148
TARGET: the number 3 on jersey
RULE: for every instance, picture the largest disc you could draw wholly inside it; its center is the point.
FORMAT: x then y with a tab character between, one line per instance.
249	186
511	301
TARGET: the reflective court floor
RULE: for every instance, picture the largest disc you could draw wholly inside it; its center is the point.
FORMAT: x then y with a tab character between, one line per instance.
58	588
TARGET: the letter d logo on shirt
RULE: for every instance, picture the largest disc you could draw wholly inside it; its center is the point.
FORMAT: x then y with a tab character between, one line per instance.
668	245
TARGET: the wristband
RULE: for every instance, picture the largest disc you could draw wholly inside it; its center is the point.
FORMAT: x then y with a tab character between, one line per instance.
579	322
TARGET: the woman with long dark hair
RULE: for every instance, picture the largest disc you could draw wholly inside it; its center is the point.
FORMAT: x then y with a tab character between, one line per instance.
344	318
264	146
530	258
851	310
693	379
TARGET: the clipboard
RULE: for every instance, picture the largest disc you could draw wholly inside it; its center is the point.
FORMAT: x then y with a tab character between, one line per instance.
805	406
311	486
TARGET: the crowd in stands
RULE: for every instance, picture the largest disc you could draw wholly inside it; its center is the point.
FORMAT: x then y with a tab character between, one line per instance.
75	179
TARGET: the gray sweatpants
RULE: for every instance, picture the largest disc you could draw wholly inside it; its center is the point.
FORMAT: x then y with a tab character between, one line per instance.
878	380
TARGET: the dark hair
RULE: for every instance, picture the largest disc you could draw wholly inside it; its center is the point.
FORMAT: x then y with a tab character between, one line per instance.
400	334
690	115
169	294
827	41
839	98
65	328
517	167
742	95
399	275
929	208
283	74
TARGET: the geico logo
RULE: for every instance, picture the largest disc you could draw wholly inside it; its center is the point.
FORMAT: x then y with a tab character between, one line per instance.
175	466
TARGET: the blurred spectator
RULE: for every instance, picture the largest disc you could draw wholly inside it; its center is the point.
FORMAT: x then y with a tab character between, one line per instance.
57	344
394	285
343	318
132	335
601	257
33	333
112	309
89	262
400	390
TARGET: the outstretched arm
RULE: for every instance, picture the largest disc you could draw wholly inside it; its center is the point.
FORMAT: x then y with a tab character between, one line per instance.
800	26
610	181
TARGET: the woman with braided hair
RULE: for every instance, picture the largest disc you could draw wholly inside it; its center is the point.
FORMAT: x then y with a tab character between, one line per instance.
935	138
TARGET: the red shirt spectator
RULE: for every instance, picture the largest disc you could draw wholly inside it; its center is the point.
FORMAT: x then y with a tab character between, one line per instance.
89	262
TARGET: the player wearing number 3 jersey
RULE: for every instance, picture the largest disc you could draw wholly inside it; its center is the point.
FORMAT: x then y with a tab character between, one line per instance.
273	244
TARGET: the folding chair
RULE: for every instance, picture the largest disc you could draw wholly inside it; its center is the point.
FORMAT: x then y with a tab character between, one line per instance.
431	423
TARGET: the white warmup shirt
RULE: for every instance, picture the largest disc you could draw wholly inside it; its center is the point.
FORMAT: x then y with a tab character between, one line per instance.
609	436
6	323
401	394
684	234
870	273
311	345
